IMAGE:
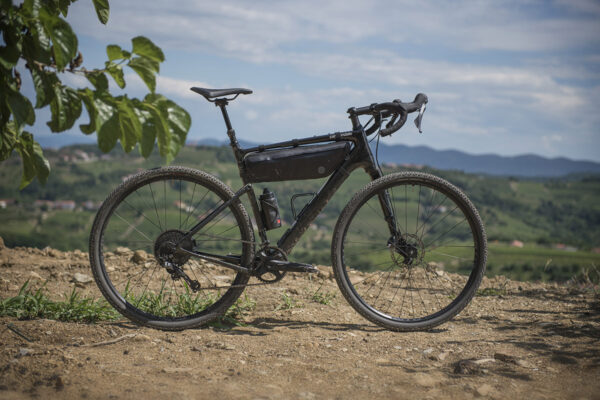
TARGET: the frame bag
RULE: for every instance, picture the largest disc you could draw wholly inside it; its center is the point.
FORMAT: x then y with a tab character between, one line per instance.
295	163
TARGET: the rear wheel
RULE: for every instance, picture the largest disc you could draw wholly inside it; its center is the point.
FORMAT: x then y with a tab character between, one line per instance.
427	272
133	248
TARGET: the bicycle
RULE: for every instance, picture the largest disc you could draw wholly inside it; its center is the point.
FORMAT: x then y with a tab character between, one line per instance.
408	250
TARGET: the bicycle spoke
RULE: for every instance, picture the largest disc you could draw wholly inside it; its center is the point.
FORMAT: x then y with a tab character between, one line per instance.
406	286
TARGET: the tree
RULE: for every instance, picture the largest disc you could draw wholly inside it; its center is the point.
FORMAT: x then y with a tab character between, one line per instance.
37	38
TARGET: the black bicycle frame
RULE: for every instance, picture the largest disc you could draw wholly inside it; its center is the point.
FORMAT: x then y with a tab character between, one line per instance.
359	156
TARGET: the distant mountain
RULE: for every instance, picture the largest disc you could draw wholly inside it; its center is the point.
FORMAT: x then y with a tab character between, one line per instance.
527	165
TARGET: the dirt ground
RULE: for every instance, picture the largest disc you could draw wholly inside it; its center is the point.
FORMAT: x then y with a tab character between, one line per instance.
536	341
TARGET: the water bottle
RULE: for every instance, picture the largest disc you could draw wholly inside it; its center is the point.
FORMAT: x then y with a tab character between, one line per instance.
269	210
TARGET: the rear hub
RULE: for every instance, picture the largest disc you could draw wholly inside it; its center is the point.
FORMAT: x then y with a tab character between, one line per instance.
165	248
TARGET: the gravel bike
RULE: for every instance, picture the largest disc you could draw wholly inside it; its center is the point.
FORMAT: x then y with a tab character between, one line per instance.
174	248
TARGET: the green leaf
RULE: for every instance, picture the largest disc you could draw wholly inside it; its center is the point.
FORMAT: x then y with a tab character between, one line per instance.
108	134
42	166
43	82
102	10
63	39
148	136
99	80
8	135
143	46
63	6
34	162
9	55
179	119
11	41
146	70
87	96
20	107
116	71
106	121
163	133
115	52
65	108
129	126
36	45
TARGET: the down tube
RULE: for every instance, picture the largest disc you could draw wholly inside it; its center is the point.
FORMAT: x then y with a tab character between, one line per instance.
312	210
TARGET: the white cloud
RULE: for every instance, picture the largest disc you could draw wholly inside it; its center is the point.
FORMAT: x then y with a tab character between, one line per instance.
493	70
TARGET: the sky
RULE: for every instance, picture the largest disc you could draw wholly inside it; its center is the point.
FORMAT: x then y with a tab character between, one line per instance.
505	77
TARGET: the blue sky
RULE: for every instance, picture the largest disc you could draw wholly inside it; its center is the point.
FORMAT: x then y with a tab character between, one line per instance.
505	77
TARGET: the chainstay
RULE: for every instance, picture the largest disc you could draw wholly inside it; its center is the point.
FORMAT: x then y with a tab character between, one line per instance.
238	286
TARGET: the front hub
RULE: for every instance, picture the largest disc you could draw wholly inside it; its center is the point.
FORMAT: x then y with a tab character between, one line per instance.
407	250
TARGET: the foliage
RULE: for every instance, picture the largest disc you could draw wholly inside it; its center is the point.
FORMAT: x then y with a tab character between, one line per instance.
31	303
37	38
288	302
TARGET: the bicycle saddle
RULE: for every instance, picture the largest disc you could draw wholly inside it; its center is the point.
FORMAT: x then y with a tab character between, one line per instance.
212	93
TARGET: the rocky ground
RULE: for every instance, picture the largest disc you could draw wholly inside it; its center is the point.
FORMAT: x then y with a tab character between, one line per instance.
523	340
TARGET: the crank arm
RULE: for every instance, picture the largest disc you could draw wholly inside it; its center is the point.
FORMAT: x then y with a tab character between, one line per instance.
215	260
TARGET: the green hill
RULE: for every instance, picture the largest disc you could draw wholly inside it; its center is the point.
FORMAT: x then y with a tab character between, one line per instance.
557	220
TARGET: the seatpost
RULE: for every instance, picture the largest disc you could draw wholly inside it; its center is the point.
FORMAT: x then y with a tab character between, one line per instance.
222	104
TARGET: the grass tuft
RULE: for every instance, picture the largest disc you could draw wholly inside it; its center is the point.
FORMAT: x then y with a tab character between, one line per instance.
30	304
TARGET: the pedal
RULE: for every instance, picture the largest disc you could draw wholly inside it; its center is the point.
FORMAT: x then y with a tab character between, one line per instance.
288	266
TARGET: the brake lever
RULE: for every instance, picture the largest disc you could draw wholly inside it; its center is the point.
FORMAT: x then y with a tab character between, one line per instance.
419	118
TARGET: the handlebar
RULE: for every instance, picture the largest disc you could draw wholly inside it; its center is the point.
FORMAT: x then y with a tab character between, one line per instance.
396	109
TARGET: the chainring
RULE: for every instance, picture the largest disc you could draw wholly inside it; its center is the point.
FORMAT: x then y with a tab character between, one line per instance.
263	273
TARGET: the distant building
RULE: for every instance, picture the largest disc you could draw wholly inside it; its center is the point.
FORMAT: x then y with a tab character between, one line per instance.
562	246
6	202
414	166
90	205
64	205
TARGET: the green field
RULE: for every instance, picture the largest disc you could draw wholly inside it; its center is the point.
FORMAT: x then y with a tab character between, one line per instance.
540	213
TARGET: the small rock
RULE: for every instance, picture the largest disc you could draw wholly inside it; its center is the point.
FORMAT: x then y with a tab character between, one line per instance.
442	356
428	351
484	361
467	367
484	390
425	380
35	275
175	370
82	278
140	337
78	253
507	358
24	352
398	347
53	252
122	251
139	257
525	364
59	384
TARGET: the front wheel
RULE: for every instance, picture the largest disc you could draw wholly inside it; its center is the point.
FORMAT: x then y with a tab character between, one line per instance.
133	255
420	267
